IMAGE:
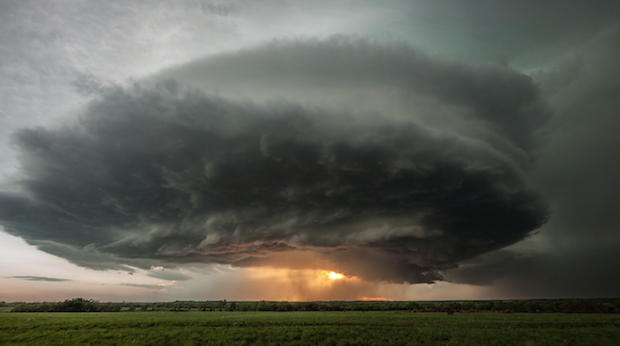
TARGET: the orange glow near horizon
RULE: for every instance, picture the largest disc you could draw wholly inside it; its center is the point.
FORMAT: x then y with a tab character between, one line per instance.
374	299
304	284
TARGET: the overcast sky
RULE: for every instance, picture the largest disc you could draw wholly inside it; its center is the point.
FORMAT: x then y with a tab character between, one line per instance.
243	150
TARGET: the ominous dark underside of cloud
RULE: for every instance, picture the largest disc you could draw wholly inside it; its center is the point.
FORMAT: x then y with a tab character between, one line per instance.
159	174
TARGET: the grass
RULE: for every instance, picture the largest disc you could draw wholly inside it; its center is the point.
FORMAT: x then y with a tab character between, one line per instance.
307	328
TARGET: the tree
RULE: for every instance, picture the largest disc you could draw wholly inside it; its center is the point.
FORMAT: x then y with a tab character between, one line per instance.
222	304
284	306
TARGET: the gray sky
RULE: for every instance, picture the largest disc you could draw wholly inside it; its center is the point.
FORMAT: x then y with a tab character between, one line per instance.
205	150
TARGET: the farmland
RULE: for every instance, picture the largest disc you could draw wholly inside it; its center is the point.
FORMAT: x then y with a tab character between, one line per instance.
307	328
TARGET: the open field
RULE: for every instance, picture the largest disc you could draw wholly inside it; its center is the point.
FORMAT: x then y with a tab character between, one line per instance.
307	328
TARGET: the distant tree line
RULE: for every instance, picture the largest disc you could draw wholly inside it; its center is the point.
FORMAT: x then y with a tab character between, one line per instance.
534	306
71	305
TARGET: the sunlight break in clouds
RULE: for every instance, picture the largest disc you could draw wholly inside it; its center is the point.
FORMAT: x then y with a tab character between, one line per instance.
335	276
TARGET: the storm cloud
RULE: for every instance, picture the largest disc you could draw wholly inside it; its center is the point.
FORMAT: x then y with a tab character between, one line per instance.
167	172
39	278
576	253
168	275
152	287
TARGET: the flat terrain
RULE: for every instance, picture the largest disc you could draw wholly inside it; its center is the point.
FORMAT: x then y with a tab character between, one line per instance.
308	328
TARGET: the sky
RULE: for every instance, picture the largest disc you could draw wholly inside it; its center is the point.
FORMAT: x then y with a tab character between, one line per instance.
297	150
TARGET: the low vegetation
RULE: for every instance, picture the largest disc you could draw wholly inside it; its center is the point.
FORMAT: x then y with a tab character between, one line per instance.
308	328
532	306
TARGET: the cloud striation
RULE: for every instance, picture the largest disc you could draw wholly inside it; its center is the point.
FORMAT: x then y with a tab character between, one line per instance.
38	278
159	174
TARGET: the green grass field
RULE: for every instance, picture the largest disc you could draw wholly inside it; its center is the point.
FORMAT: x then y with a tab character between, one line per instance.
307	328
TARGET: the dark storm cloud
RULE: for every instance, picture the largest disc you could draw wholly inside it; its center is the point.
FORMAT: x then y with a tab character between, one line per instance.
162	175
490	268
39	278
576	254
505	101
583	272
88	256
169	275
